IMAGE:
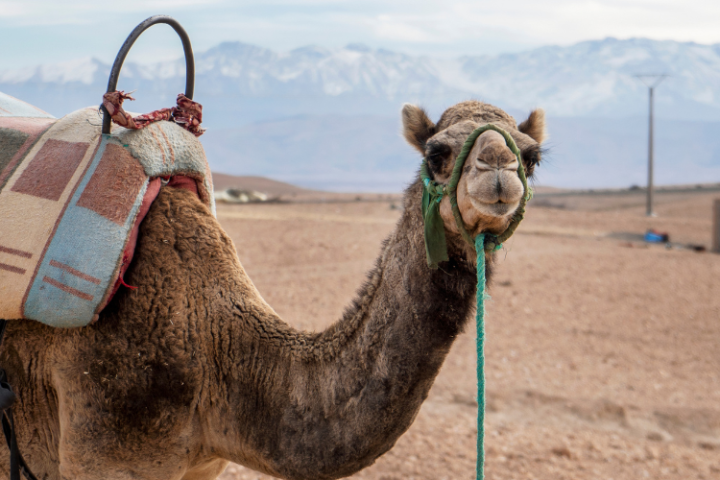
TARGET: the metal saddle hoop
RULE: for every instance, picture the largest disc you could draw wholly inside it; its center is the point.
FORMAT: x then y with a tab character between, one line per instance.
125	49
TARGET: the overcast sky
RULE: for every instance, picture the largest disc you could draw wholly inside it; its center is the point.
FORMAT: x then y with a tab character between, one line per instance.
44	31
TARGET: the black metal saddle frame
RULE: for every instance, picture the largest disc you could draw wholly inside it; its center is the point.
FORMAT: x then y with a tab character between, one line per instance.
125	49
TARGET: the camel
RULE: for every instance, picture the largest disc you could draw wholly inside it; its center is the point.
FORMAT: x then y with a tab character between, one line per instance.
193	369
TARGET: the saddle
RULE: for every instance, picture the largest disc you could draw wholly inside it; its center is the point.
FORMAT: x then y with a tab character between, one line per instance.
71	201
73	193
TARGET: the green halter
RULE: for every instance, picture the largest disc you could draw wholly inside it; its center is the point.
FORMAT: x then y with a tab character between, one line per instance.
435	243
436	249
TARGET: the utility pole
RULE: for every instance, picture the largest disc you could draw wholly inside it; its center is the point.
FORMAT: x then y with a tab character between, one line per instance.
716	227
651	81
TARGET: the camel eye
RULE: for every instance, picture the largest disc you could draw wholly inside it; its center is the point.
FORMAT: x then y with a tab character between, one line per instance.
437	154
531	157
436	161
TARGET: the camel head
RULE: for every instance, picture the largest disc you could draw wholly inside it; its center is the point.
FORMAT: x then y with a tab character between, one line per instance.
489	190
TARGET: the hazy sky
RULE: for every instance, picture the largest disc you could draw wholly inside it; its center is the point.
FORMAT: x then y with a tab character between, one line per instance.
43	31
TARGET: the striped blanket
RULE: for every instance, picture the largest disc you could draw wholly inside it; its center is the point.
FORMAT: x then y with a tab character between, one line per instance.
71	202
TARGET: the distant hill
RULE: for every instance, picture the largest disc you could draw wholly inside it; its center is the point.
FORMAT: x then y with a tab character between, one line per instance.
273	188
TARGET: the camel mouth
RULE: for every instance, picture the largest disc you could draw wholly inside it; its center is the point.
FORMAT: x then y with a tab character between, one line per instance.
496	209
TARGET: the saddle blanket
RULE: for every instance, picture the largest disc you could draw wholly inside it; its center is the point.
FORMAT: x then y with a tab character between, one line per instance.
71	202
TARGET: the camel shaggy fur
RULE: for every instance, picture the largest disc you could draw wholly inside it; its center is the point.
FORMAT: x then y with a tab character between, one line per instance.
193	369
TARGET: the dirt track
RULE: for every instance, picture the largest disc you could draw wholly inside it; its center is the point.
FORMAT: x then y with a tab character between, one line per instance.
602	354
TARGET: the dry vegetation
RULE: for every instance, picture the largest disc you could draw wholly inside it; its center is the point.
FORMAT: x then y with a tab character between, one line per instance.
602	354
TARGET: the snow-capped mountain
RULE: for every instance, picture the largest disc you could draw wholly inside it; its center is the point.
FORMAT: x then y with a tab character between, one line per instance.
593	78
330	118
598	78
260	83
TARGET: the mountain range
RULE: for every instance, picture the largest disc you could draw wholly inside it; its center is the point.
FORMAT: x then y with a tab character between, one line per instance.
329	118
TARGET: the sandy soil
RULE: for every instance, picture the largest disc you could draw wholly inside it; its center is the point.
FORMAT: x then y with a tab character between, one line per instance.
602	353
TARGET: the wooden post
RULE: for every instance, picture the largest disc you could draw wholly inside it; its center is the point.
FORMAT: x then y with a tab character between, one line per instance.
716	227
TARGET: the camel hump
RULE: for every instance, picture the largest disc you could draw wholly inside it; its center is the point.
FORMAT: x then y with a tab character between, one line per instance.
71	203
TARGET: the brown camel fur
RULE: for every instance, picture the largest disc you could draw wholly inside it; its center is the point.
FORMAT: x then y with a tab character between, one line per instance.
193	369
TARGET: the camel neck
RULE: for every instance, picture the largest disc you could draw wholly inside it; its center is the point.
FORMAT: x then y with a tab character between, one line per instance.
332	402
402	284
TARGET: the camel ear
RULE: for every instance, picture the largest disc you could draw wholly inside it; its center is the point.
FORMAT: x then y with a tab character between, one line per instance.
534	126
417	127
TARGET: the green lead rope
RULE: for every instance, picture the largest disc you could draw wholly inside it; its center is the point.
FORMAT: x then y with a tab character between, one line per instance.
435	243
436	251
480	328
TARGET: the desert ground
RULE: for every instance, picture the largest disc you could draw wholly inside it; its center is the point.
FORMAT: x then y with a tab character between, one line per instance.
602	352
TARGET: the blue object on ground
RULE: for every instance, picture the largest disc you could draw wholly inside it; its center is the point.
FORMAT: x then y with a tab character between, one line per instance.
653	237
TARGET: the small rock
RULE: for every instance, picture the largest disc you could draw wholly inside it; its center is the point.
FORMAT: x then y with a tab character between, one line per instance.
562	452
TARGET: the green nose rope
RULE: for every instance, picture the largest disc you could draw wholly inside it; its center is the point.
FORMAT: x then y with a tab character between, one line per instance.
436	250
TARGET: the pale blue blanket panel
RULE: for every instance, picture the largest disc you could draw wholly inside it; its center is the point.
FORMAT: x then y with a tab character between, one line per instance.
89	243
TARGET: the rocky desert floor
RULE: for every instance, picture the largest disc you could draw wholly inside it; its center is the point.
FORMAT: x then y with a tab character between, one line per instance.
603	352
